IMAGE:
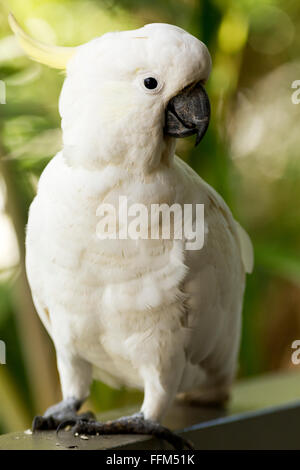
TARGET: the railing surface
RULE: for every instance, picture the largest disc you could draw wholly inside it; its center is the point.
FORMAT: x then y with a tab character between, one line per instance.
264	413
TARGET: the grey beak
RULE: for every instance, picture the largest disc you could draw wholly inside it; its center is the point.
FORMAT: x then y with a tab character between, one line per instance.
188	113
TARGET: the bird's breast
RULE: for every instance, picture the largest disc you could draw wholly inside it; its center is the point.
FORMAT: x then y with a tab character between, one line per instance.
69	262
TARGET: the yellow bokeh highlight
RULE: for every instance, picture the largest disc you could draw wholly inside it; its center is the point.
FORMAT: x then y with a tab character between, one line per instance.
233	33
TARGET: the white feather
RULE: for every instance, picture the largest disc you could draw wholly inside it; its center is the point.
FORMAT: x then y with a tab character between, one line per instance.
143	313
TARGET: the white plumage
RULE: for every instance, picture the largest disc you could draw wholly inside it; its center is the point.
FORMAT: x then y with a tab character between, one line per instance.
141	313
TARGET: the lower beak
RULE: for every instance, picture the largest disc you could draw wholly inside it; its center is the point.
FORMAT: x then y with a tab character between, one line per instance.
188	113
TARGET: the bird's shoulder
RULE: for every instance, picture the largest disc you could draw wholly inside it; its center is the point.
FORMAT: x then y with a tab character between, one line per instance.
217	213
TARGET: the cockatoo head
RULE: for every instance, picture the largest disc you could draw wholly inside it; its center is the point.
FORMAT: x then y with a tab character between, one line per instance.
128	94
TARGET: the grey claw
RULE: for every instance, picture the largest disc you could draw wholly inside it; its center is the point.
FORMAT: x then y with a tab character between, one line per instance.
41	423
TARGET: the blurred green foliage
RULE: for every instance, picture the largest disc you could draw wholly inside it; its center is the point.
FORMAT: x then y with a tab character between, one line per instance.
250	155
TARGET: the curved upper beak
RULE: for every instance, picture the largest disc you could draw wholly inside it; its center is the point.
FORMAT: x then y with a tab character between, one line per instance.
188	113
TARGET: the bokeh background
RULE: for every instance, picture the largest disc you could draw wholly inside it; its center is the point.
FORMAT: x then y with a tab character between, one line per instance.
251	155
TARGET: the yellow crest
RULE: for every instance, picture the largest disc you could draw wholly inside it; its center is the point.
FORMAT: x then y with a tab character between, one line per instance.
53	56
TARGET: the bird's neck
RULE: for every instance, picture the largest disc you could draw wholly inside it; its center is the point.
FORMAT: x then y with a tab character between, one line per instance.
142	160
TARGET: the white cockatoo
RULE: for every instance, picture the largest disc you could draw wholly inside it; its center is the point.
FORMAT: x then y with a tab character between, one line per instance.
143	313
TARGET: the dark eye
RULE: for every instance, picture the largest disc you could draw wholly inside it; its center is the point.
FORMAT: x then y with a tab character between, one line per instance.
150	83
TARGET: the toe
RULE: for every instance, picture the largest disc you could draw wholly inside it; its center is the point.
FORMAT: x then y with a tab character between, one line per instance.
83	426
43	423
89	415
37	423
131	425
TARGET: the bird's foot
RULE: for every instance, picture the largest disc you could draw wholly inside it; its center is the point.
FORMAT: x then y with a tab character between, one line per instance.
135	424
58	414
